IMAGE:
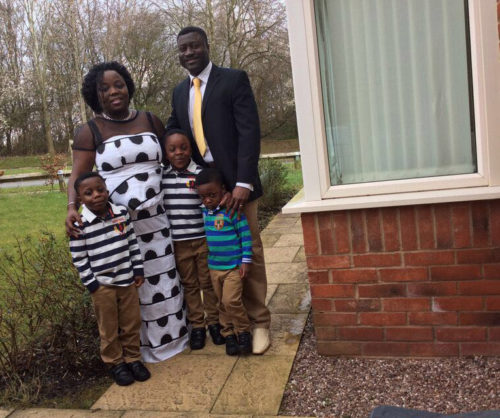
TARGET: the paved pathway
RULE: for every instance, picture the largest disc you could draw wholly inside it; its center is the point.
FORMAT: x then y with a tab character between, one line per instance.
208	383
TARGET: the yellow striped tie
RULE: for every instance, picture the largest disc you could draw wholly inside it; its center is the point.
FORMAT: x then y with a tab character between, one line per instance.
197	125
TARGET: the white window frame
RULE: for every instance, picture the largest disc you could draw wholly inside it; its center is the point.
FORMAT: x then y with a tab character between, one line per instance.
319	195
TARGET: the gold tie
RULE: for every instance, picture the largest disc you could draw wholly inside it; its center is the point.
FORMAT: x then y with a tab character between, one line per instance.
197	125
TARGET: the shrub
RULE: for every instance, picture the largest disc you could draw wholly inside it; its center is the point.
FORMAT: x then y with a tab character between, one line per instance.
48	334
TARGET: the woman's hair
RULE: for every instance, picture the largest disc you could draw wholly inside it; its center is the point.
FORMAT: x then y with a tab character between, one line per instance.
94	77
85	176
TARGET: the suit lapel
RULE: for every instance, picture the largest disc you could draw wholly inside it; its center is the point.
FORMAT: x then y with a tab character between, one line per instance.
184	103
213	79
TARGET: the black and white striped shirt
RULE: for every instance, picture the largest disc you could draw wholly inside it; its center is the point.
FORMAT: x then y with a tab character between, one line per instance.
182	202
106	251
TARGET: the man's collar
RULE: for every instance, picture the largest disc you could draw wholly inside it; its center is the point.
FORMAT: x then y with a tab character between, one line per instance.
91	216
203	76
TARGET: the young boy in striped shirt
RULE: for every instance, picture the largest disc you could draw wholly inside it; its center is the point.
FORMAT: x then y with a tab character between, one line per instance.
229	259
182	205
108	260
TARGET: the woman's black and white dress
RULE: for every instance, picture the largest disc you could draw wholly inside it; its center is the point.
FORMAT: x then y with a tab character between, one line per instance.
131	167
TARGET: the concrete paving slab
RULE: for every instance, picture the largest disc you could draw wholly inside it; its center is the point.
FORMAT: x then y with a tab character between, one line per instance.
180	384
210	348
268	240
286	332
160	414
5	412
291	298
282	221
290	240
64	413
280	255
286	273
300	257
255	386
271	288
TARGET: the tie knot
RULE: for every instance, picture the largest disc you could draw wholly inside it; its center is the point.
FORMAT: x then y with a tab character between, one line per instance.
196	82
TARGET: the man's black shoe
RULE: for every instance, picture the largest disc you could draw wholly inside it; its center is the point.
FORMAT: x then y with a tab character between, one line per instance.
139	371
232	348
245	342
214	331
197	339
121	374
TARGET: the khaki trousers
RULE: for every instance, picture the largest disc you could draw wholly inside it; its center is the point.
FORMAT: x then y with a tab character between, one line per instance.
191	260
232	314
119	320
255	285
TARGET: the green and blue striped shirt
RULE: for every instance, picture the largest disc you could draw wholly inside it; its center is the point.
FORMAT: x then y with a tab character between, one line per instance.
229	239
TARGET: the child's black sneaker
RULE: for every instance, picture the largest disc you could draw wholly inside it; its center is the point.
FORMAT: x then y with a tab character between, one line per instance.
232	348
121	374
197	339
139	371
245	342
214	330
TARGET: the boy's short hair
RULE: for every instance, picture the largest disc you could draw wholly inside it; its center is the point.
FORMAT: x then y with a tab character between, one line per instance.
209	175
86	176
173	131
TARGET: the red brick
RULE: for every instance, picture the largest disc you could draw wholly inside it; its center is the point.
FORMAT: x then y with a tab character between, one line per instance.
321	304
333	319
425	227
381	290
495	222
456	272
325	333
492	271
487	255
358	235
373	230
480	318
479	287
377	260
434	350
494	334
432	289
429	258
460	219
321	262
403	274
480	224
332	291
480	349
432	318
409	334
341	232
493	303
407	305
354	276
461	334
311	246
357	305
361	333
339	348
408	226
382	319
318	277
442	217
326	232
391	230
386	349
458	303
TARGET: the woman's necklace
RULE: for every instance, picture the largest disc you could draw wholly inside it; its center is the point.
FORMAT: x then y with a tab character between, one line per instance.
129	116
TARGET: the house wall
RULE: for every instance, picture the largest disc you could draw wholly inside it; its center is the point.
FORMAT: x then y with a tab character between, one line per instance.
406	281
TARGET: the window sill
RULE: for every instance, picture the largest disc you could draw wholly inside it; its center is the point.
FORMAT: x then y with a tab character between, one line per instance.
298	204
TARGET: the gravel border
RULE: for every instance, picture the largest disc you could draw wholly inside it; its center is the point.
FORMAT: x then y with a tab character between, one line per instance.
352	387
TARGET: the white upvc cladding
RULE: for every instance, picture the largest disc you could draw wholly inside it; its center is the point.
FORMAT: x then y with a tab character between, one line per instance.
318	195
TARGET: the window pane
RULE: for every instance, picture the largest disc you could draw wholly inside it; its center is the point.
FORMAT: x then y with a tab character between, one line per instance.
395	84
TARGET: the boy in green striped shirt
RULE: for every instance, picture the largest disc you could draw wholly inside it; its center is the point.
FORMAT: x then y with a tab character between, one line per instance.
229	259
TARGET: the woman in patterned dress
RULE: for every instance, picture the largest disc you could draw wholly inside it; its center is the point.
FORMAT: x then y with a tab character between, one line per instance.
124	146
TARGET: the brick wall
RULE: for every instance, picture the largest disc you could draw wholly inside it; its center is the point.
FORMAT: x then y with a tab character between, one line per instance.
406	281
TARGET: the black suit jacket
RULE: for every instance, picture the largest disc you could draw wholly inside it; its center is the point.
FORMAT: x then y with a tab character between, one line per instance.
230	124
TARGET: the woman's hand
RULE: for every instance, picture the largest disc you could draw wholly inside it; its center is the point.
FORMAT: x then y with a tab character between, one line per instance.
72	217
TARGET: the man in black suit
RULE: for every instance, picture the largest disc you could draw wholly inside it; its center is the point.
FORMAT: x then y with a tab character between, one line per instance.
229	141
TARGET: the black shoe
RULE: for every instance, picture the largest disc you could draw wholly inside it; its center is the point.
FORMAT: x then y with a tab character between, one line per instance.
232	348
139	371
245	342
121	374
197	339
214	331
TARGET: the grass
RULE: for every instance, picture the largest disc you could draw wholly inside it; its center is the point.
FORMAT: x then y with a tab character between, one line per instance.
269	146
23	164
